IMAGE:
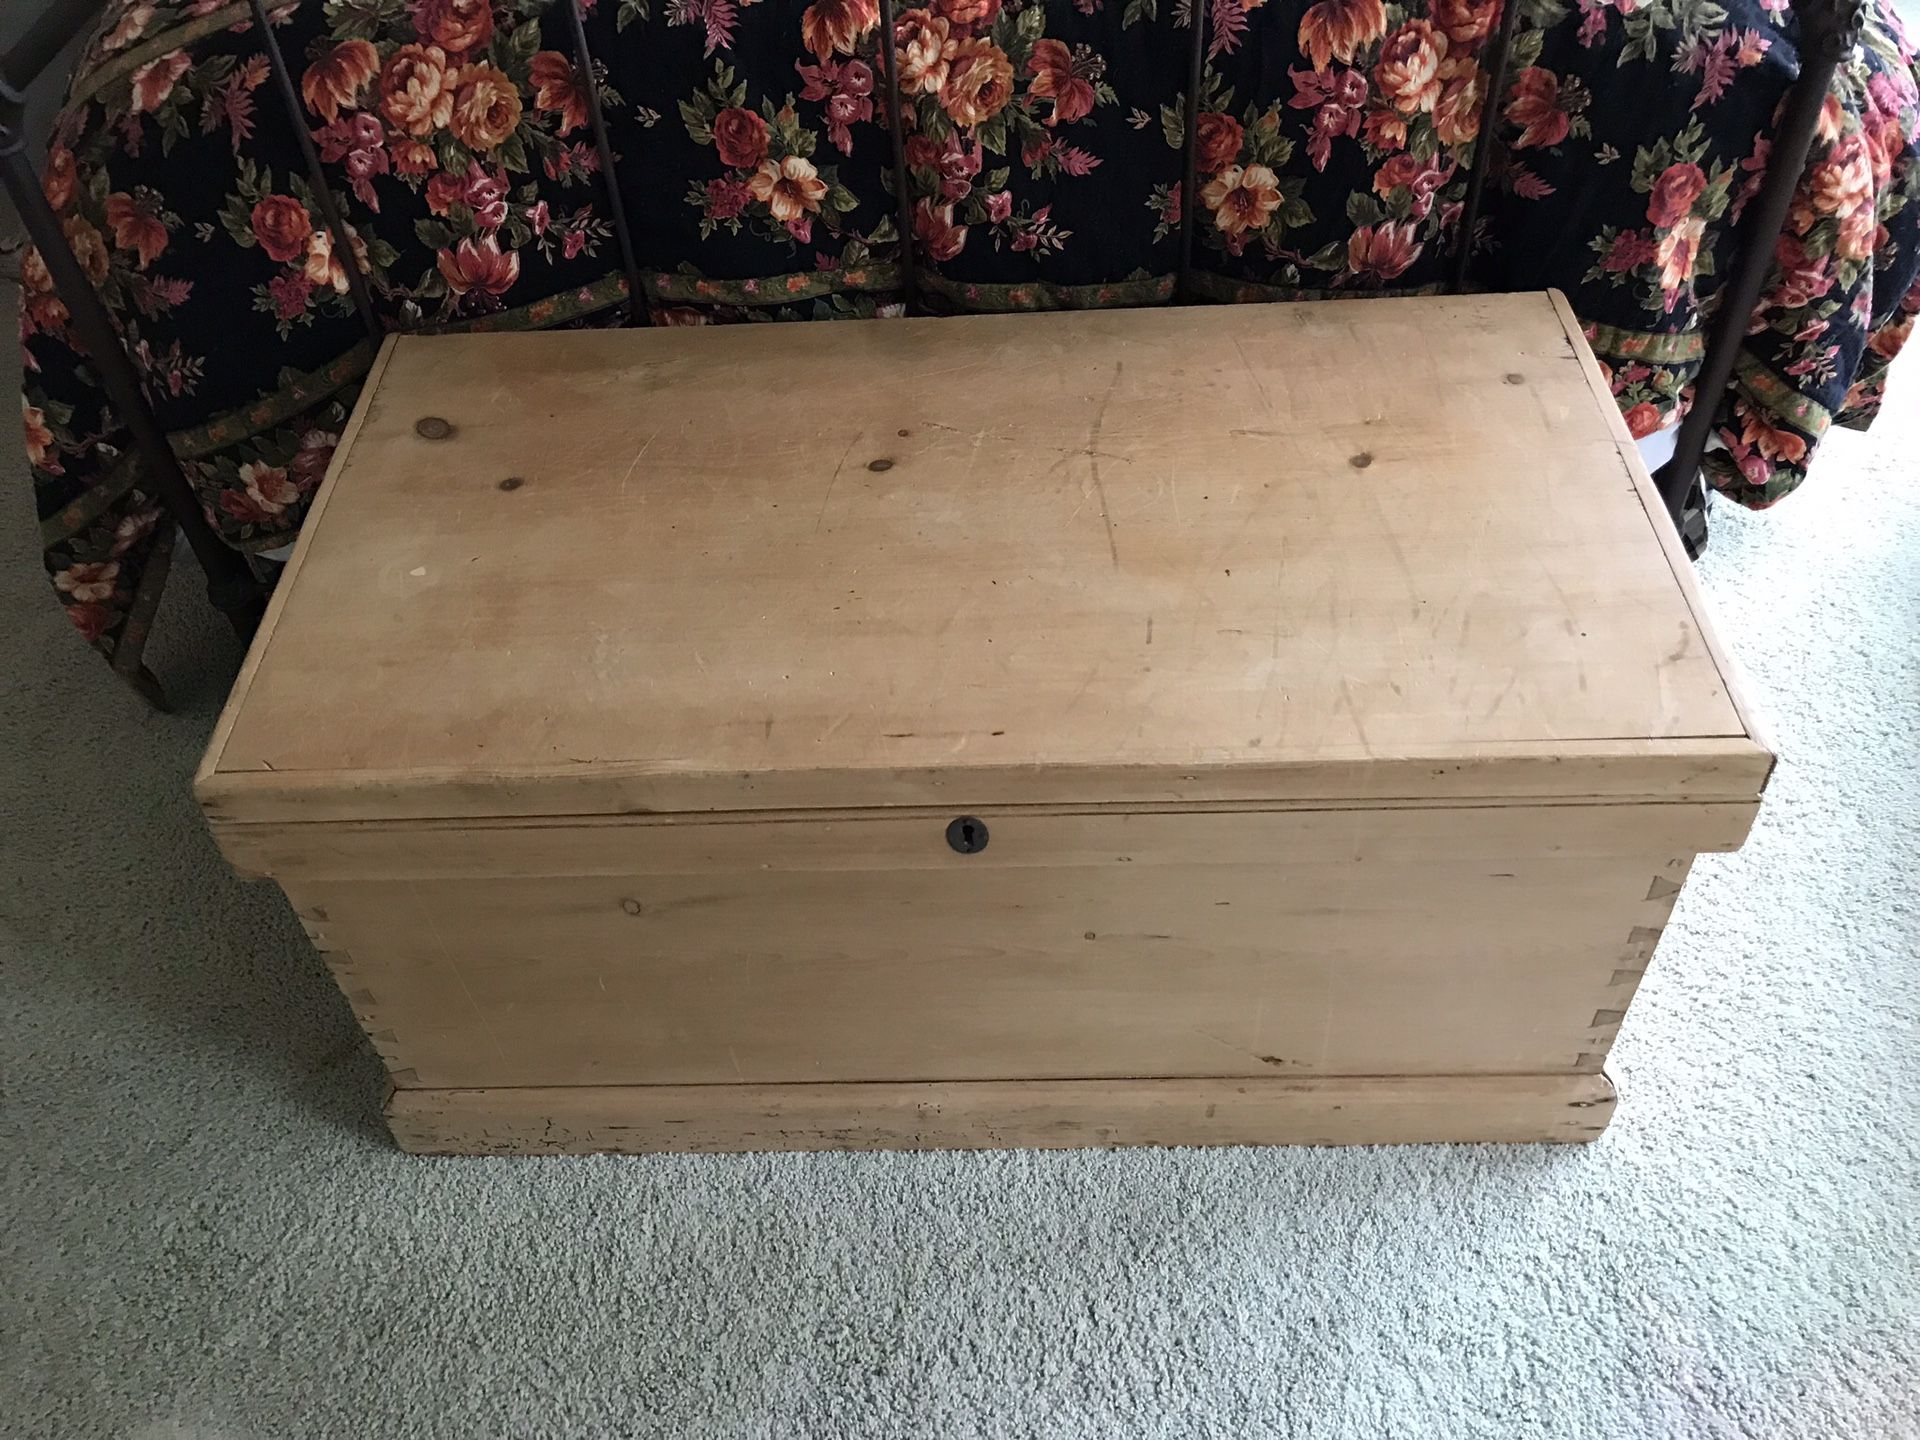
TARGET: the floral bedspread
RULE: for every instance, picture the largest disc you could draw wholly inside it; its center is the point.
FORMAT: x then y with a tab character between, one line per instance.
1044	143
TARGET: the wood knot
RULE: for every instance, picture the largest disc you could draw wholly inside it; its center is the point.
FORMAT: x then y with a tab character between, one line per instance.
880	466
432	427
631	906
512	482
1362	460
1514	377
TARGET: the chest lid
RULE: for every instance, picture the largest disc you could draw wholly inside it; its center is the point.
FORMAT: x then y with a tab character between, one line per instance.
1346	551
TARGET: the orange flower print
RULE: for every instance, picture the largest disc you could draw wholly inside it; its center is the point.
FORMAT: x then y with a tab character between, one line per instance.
1385	129
268	486
979	83
1341	29
1889	340
1832	118
308	467
1467	22
136	227
479	266
1674	193
1422	179
456	26
58	182
1408	71
831	27
153	82
557	91
1242	198
133	24
939	237
1642	420
324	268
790	188
974	13
39	435
88	248
1533	103
41	309
486	108
1843	181
1456	114
1859	235
1885	143
1675	255
335	80
740	138
1383	251
1216	141
411	157
1802	278
925	45
416	90
88	582
1768	439
134	528
1054	78
281	225
35	278
92	621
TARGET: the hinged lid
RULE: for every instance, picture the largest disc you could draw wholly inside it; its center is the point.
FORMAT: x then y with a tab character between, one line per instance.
1360	550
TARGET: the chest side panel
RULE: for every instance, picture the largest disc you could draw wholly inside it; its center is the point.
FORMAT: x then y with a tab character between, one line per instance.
1362	942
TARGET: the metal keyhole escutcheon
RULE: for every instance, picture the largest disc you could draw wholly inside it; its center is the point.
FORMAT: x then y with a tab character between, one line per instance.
968	835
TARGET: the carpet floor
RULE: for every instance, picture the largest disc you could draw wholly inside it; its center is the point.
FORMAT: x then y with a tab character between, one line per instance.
207	1234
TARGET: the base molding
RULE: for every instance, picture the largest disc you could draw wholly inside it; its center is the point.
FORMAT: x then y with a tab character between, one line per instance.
1002	1114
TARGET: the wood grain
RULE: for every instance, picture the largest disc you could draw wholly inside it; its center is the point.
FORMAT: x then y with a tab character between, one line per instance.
1357	942
894	840
1343	715
1654	771
1230	552
1046	1114
1739	690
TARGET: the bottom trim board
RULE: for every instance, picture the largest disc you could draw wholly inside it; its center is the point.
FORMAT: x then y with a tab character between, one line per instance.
1002	1114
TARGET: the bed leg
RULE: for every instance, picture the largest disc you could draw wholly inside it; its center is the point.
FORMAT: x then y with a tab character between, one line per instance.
1828	31
231	586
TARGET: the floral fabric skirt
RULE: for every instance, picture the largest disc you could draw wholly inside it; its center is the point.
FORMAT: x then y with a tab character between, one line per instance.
1044	153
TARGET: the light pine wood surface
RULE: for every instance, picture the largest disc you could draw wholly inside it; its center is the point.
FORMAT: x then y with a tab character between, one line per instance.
1343	715
1224	552
1435	942
1364	1110
1022	836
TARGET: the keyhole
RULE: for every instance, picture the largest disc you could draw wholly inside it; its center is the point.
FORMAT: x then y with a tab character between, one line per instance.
967	835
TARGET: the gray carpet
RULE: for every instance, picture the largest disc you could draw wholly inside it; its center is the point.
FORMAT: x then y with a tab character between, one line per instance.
206	1233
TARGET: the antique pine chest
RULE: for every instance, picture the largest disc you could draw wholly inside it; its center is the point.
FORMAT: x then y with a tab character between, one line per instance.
1239	724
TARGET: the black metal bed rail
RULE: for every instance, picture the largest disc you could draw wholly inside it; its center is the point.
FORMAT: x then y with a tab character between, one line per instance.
232	587
1828	30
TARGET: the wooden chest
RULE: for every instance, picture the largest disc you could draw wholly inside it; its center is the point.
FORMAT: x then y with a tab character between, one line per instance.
1239	724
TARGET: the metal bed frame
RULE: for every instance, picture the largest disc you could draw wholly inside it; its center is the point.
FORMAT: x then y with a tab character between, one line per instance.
1828	32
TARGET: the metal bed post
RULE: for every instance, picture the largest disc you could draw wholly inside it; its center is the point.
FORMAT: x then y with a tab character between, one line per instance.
897	136
1199	11
1828	32
231	585
338	232
1483	146
584	75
